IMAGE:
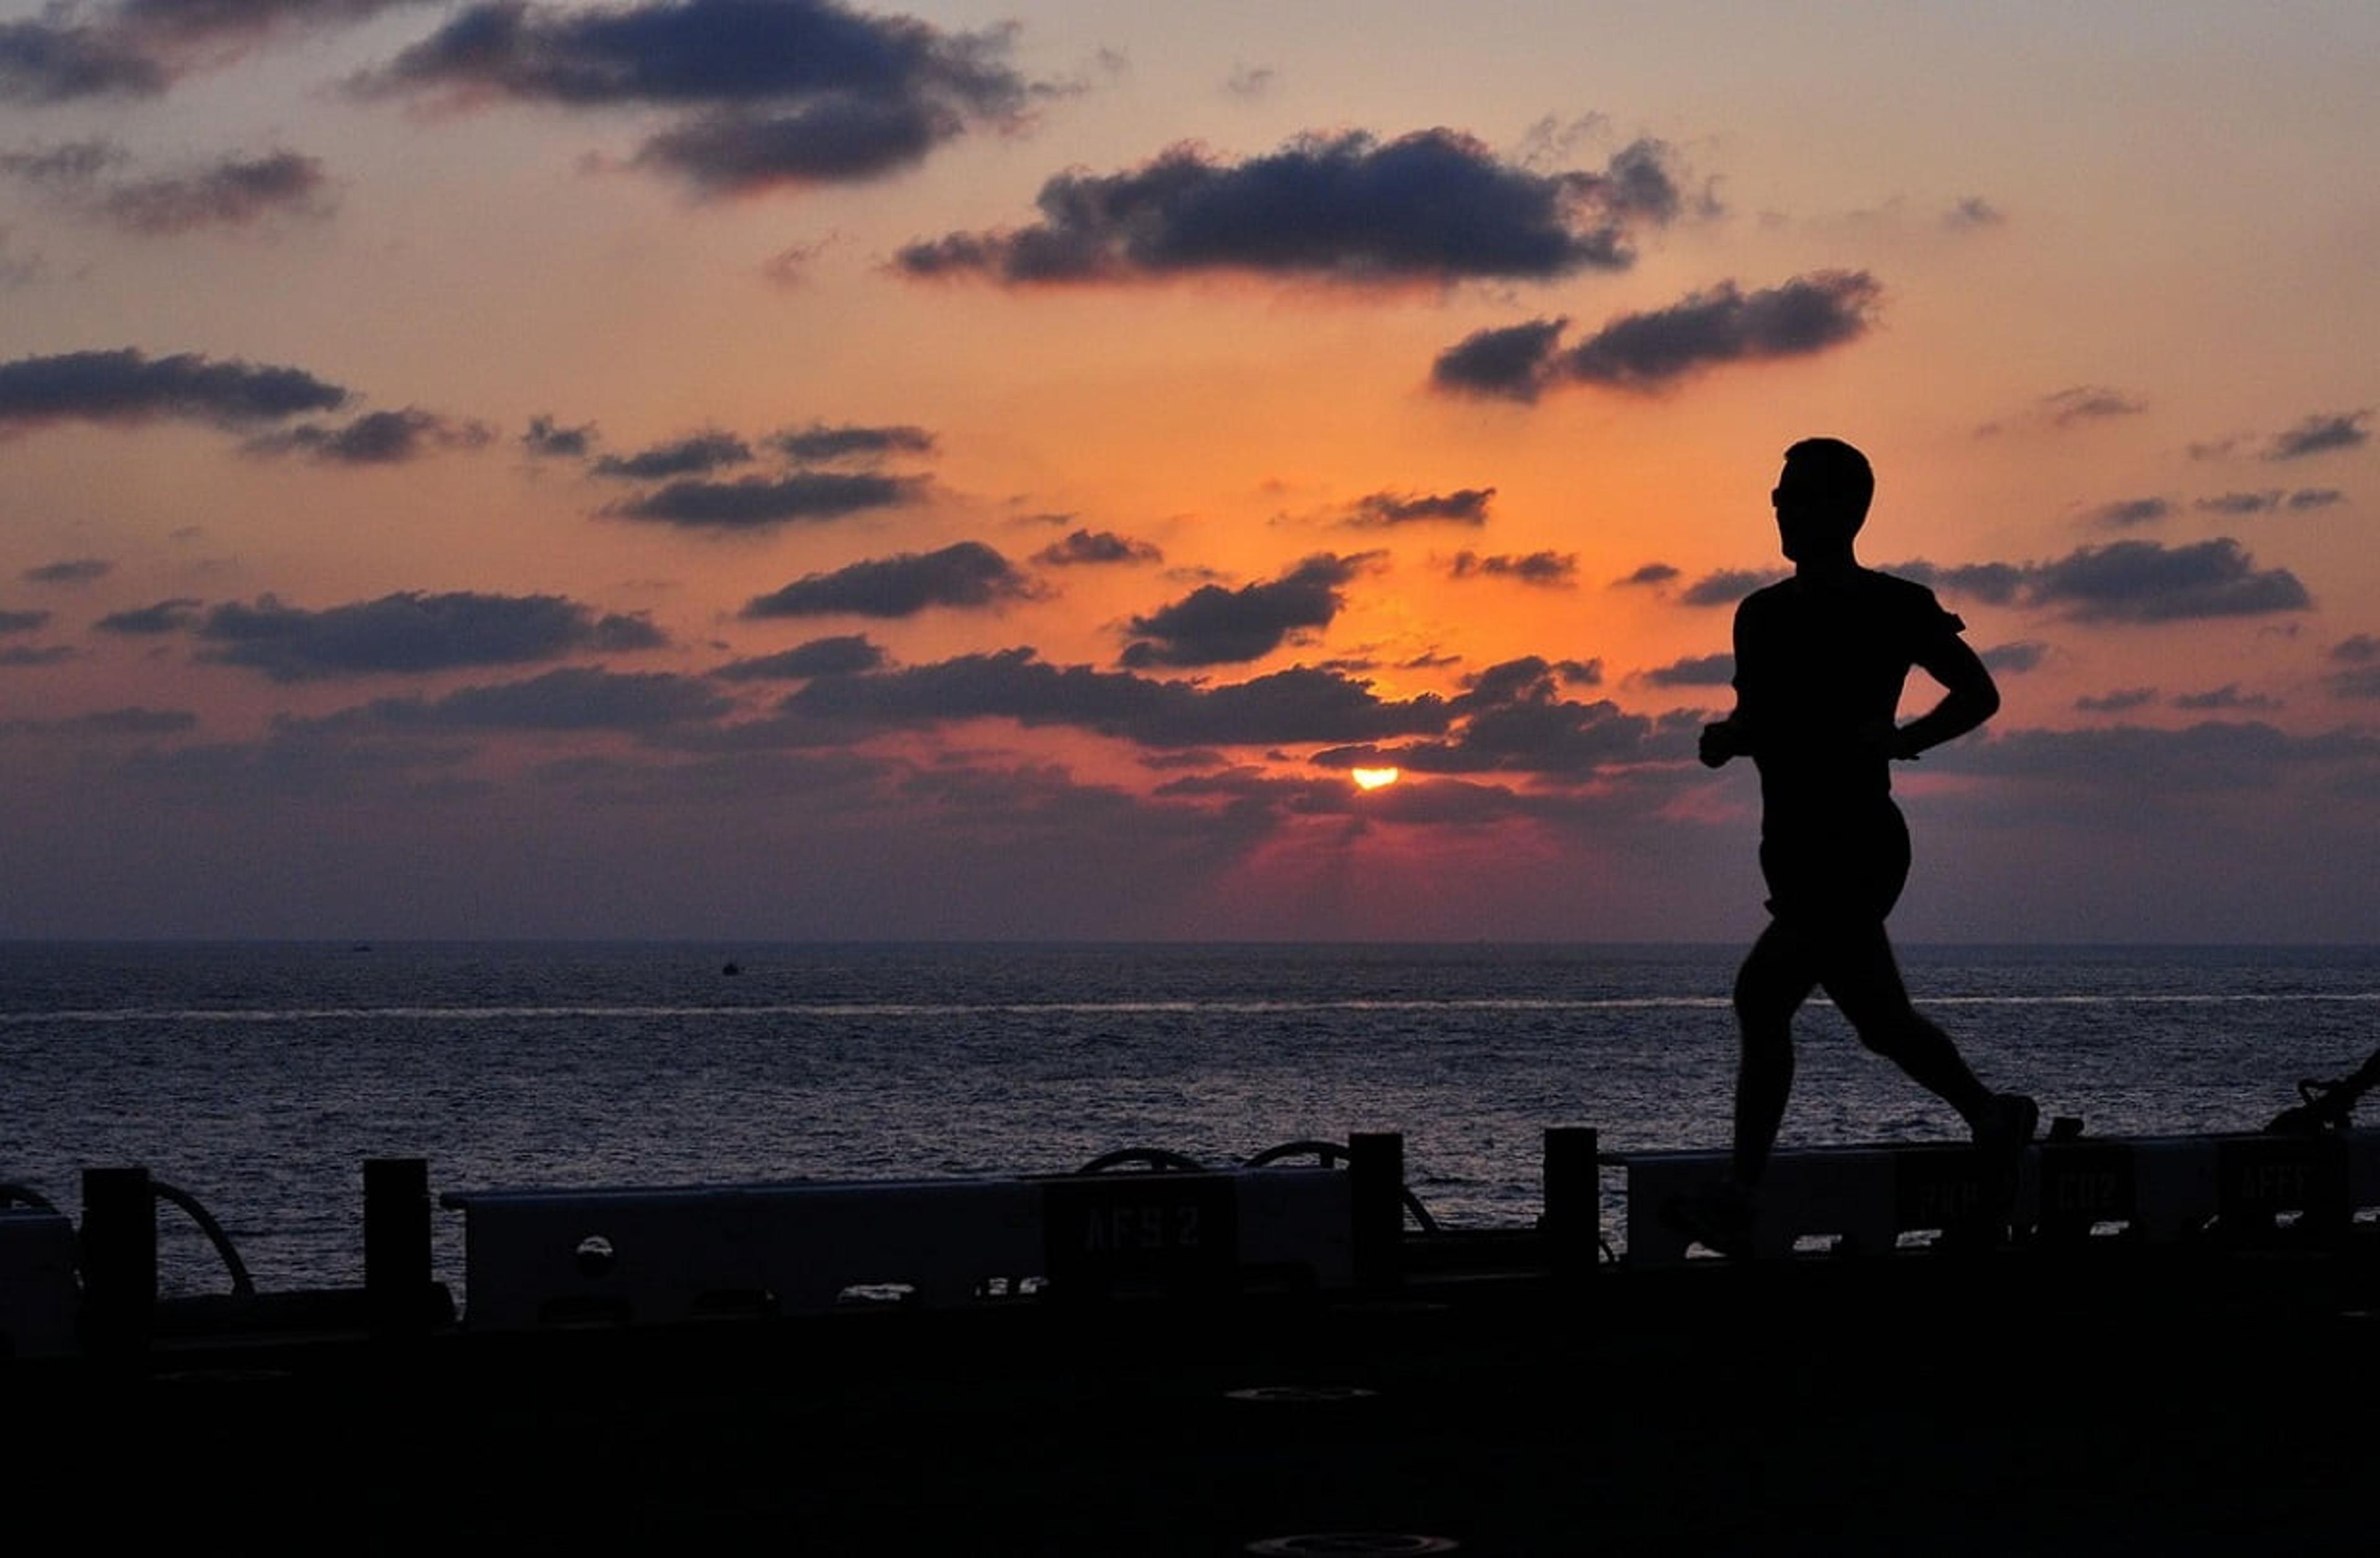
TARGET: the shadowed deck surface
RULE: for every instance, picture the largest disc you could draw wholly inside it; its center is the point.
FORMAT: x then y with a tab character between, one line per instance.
2196	1403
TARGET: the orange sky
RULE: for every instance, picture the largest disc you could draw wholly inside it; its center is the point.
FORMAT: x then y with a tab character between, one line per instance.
395	437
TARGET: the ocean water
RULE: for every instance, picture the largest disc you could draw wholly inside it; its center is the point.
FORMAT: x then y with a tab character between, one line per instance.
258	1078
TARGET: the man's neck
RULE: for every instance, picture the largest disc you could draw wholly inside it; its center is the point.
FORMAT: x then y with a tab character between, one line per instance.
1826	568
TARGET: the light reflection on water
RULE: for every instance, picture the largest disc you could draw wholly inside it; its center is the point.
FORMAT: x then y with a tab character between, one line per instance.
260	1077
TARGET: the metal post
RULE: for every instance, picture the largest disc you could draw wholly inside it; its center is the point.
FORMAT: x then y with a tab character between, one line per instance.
396	1244
119	1261
1573	1225
1376	1169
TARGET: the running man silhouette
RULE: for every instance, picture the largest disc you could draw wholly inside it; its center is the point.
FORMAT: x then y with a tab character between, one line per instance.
1820	659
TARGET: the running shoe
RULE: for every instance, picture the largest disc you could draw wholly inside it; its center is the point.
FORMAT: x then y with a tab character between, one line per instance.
1716	1217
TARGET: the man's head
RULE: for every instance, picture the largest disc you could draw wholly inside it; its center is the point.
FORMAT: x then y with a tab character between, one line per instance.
1822	497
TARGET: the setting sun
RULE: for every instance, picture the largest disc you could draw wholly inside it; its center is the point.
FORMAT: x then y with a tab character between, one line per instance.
1373	778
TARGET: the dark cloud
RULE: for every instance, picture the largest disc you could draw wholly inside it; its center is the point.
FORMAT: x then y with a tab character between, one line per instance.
1701	670
1433	206
73	570
1212	625
51	62
1993	583
221	19
573	697
2143	581
2126	512
135	722
124	386
831	140
376	438
1252	81
1971	213
2358	662
2239	503
790	266
2315	497
757	501
697	454
1513	719
845	655
1554	570
2319	434
1293	706
67	170
411	632
235	192
547	439
165	616
144	45
23	622
2212	755
1507	362
1649	351
2014	658
1727	586
2117	702
1652	576
821	442
2138	581
26	655
1097	547
1467	505
2227	697
771	91
968	575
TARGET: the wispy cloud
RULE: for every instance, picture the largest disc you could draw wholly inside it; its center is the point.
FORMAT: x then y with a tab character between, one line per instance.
411	632
2075	406
1550	570
968	575
1467	505
376	438
1096	547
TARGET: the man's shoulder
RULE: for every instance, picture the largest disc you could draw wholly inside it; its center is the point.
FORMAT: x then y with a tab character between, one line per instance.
1894	586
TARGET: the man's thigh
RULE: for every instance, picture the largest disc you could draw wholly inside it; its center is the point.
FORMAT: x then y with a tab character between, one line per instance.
1855	966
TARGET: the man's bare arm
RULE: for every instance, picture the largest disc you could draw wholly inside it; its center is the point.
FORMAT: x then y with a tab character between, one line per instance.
1971	698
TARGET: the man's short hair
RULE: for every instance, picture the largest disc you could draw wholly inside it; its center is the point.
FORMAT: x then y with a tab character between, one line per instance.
1838	471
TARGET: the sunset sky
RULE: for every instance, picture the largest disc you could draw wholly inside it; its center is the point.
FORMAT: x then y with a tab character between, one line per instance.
753	468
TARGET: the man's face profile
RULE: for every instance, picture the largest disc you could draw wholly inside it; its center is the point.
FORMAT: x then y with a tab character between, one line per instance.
1811	518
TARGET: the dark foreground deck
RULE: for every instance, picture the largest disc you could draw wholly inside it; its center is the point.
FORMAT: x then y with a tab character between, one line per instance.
2149	1403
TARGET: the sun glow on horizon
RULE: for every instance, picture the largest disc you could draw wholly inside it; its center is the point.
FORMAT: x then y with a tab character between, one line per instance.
1373	778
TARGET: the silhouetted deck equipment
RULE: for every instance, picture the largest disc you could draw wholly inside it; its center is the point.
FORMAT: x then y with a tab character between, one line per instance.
1153	1225
1159	1358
